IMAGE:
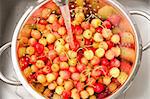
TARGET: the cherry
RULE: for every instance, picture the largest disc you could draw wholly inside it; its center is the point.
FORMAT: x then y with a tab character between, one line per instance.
101	95
114	19
80	54
40	72
50	47
88	42
63	58
32	76
98	87
110	44
43	22
43	58
77	45
56	74
96	73
104	70
39	48
91	81
107	24
48	63
91	48
61	21
75	76
72	69
66	94
46	69
78	30
104	62
56	60
65	74
99	29
95	61
85	25
52	54
114	63
24	62
55	26
81	67
125	66
80	86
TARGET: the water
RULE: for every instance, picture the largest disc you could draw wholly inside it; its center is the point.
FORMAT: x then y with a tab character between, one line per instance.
66	15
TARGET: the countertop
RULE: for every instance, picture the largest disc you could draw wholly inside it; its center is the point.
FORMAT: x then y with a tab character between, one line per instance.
140	89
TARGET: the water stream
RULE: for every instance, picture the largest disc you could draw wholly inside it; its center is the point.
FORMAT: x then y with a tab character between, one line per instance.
67	19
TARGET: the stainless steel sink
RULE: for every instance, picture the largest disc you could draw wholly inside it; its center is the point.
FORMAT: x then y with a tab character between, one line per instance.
10	13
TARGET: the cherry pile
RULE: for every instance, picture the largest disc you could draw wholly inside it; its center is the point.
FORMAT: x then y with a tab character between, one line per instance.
99	64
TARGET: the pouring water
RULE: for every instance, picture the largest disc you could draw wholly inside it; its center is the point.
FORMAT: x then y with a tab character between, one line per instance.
63	4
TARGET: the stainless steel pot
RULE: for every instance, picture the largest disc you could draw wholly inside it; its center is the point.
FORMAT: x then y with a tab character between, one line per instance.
114	3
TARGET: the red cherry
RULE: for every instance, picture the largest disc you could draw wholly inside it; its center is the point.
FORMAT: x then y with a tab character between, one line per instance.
104	62
24	62
96	73
65	74
72	69
104	70
114	63
50	47
33	59
27	59
95	61
56	74
75	82
24	67
110	44
126	67
55	26
43	22
114	19
66	94
87	42
46	69
52	54
91	80
85	25
77	45
72	27
56	60
81	67
40	72
99	29
91	48
61	21
107	24
32	76
102	95
78	30
48	63
80	86
43	58
75	76
63	58
98	87
39	48
80	54
116	81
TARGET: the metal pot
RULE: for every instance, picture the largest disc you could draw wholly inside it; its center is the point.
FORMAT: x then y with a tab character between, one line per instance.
114	3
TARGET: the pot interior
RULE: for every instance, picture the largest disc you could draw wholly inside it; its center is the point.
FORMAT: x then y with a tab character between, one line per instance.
31	38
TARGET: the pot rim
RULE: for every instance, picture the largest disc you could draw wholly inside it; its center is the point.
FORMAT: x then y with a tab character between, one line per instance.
113	3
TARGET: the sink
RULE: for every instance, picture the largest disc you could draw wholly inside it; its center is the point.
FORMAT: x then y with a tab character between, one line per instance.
10	13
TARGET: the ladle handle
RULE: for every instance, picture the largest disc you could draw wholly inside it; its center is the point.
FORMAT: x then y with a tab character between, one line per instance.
2	77
147	16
